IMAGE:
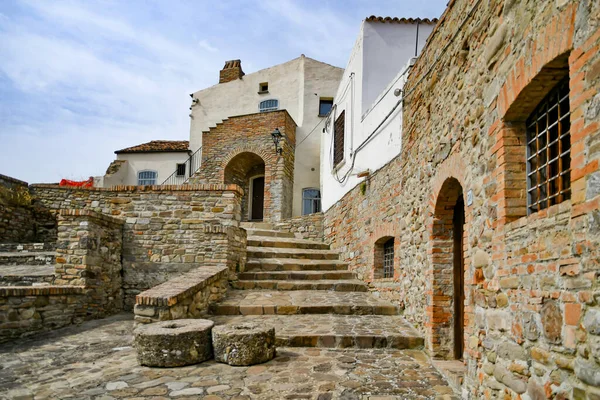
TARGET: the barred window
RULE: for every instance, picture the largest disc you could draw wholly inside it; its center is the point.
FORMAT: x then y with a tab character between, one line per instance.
388	259
181	169
549	150
338	139
147	178
268	105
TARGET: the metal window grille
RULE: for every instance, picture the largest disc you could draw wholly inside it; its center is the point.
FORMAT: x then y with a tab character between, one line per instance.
388	259
549	150
311	201
180	169
268	105
338	139
147	177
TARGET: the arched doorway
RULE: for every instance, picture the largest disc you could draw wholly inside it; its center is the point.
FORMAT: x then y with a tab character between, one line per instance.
247	170
448	294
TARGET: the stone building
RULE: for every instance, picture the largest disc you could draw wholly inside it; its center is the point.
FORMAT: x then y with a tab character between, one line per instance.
492	205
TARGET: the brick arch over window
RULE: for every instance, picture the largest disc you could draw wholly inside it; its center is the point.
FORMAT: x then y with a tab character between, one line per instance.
441	318
531	79
379	236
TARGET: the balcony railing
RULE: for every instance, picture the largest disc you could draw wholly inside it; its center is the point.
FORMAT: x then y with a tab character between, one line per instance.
192	164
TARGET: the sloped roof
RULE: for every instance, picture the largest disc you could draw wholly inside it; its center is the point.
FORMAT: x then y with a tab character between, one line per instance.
158	146
374	18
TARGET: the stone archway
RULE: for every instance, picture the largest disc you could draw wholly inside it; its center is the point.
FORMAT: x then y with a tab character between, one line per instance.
447	321
245	170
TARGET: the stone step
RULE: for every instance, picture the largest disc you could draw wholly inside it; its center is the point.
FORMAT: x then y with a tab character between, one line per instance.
299	254
26	247
453	371
296	275
257	225
289	264
336	331
269	233
285	243
26	275
241	302
28	258
353	285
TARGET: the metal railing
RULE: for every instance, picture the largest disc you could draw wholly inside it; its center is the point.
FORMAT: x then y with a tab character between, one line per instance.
192	164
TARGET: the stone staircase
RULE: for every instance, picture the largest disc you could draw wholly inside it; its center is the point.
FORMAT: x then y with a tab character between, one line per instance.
309	295
27	264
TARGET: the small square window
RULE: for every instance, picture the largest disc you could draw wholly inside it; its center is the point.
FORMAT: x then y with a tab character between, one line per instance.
263	87
325	106
180	169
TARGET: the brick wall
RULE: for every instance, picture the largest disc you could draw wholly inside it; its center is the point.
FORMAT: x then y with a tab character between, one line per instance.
241	147
531	320
167	231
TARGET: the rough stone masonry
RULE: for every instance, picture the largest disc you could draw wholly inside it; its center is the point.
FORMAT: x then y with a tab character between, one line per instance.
531	307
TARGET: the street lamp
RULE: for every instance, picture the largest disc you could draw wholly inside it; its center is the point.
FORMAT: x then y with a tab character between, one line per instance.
276	135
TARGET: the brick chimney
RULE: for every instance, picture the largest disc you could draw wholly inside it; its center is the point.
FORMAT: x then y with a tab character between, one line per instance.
231	71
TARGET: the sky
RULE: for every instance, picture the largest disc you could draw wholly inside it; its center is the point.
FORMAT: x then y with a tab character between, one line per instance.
81	79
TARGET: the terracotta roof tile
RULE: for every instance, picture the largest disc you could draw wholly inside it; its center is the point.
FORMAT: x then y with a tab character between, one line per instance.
374	18
157	146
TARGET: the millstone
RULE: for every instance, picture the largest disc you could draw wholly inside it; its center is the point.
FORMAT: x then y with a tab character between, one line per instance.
243	344
174	343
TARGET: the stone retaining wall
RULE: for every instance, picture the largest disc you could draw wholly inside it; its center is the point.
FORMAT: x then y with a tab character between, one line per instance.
187	296
532	320
16	215
168	230
304	227
26	310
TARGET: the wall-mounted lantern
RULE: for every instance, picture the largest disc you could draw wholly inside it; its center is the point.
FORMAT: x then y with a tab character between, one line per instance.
276	135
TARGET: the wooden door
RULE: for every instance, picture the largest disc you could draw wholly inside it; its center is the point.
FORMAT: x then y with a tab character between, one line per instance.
258	198
459	278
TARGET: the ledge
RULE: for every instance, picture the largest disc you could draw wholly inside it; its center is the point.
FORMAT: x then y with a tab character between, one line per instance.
90	214
171	292
16	291
147	188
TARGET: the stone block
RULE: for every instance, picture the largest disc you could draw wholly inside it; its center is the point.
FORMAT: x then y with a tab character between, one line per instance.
174	343
243	344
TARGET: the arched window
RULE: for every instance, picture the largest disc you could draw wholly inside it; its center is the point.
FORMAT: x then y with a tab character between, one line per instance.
384	258
147	177
268	105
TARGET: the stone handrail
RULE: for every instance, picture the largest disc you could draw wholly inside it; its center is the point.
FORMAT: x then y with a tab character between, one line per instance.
187	296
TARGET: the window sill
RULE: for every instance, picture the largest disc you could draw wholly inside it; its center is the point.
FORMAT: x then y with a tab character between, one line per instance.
338	166
263	91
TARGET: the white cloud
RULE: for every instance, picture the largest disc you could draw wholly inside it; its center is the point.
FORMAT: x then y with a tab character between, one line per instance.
206	46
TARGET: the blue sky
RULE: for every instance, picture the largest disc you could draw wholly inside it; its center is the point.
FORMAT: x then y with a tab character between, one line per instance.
81	79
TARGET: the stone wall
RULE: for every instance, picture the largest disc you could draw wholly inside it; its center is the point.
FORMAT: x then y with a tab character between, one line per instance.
531	320
27	310
16	215
187	296
89	254
242	147
304	227
167	230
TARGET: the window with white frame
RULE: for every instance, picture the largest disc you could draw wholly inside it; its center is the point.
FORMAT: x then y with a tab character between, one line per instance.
268	105
147	177
311	201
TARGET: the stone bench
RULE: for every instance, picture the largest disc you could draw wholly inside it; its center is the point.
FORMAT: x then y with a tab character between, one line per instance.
174	343
243	344
187	296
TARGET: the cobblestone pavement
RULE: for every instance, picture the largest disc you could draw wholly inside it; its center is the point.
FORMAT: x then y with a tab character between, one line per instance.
96	361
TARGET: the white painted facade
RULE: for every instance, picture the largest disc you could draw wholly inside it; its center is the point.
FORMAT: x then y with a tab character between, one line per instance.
379	64
164	163
297	85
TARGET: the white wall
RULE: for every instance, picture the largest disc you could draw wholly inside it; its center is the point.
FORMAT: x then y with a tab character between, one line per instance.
164	163
379	64
297	85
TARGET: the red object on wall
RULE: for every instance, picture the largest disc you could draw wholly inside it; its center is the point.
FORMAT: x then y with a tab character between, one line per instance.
88	183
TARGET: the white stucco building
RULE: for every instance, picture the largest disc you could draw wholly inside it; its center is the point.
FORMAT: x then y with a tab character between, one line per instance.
148	163
303	86
364	130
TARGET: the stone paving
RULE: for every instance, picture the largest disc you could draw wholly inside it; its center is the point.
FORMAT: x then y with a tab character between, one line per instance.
336	331
96	361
